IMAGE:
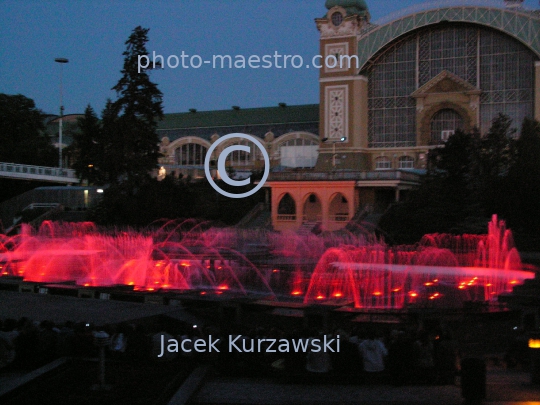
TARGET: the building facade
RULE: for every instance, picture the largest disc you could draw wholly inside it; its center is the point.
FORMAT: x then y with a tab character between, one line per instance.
402	88
413	81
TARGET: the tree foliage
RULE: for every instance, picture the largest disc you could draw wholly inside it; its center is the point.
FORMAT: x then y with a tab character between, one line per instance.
87	148
22	133
130	122
472	177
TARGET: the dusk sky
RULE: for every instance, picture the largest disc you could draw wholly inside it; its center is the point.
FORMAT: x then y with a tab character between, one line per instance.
91	34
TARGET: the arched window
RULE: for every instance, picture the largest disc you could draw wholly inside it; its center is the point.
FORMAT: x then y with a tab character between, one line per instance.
299	152
241	158
382	163
406	162
339	208
443	124
287	208
190	154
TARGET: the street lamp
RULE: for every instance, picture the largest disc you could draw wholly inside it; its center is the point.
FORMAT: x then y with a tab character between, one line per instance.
340	140
62	61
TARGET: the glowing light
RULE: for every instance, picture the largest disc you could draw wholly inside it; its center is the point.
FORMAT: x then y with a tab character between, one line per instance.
185	264
513	282
131	283
461	287
428	284
413	294
377	293
165	286
534	343
396	290
203	292
338	295
86	284
296	292
320	297
223	287
275	271
150	289
489	285
436	280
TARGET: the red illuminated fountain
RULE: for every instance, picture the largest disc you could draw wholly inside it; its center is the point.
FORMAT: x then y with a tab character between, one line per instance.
444	270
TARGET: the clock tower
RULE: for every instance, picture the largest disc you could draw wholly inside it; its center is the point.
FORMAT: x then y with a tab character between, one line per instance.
343	92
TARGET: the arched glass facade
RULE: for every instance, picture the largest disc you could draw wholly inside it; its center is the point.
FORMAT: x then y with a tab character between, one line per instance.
500	66
299	152
190	154
240	158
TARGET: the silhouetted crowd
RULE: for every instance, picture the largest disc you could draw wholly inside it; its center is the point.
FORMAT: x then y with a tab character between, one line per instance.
27	344
397	356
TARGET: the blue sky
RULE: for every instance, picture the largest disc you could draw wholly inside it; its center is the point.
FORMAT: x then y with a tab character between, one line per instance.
91	34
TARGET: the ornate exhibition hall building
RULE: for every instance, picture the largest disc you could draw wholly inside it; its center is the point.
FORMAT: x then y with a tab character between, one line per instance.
420	76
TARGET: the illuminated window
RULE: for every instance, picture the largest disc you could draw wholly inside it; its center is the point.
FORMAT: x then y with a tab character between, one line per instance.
382	163
406	162
190	154
241	158
299	152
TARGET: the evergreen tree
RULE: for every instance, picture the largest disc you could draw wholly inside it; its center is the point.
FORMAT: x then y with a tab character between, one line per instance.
87	148
496	153
134	151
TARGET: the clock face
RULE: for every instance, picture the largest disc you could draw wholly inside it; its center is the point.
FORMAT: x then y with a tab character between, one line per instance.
337	18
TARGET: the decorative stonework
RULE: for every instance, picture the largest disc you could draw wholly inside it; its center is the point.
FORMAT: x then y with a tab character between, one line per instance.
445	82
349	27
446	90
338	50
336	112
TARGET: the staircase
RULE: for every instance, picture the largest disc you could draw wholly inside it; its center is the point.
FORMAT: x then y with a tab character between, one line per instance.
306	228
258	218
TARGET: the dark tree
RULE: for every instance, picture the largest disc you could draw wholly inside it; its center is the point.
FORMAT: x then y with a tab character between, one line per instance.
496	152
522	191
87	148
133	140
22	137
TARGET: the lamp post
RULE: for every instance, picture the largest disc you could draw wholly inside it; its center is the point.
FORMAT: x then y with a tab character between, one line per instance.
340	140
62	61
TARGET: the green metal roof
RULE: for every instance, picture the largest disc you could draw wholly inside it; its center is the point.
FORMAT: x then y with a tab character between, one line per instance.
252	121
522	25
358	7
242	117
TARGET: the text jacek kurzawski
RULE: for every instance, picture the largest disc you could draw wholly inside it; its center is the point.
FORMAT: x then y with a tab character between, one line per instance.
244	344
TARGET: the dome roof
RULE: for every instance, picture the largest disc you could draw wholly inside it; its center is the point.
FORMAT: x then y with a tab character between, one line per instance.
352	6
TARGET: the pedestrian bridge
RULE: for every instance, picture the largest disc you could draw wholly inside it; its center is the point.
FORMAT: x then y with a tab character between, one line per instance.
37	173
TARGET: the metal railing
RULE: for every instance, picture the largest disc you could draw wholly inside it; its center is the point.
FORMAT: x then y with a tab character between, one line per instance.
283	217
354	176
17	170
